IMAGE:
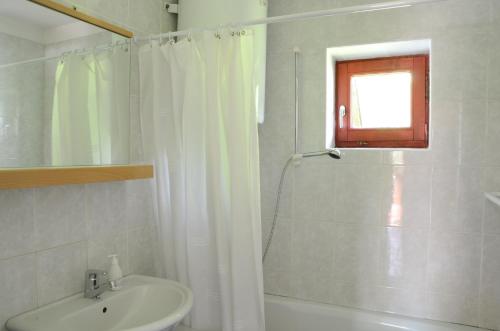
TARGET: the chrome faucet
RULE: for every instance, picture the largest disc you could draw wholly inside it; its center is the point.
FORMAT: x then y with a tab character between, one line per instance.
96	283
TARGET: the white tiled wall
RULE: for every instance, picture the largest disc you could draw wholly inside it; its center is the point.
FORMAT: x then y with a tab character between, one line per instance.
21	93
50	236
340	238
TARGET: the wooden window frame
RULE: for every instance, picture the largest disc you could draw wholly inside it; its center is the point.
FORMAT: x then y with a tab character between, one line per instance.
417	136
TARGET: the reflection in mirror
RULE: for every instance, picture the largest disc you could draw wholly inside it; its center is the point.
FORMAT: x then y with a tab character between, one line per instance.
64	90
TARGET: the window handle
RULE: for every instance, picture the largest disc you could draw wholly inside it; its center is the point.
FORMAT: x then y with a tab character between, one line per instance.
341	116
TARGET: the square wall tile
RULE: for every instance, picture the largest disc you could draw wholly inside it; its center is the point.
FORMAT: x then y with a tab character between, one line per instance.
286	204
491	218
277	283
490	286
407	302
457	199
314	191
452	308
17	286
312	260
140	252
360	157
491	179
139	203
59	215
356	254
461	13
17	236
145	16
403	258
492	139
280	250
494	65
407	157
406	196
312	250
354	294
99	250
444	130
106	209
444	201
312	116
358	191
472	125
470	199
61	272
454	263
111	9
311	286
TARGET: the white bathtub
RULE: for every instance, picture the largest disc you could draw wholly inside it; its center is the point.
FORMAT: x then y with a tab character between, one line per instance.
284	314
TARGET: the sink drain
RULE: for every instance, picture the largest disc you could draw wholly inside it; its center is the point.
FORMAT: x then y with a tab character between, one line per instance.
104	310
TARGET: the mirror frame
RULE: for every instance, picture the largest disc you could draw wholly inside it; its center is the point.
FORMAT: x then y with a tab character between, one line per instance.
73	12
22	178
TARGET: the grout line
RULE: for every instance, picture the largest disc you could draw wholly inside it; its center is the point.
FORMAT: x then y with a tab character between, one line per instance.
86	219
35	239
482	184
428	244
481	265
35	252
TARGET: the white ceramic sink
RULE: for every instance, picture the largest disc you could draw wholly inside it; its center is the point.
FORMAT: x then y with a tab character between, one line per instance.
143	304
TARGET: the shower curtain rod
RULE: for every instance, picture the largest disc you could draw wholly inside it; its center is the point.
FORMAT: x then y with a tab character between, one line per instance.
296	17
83	51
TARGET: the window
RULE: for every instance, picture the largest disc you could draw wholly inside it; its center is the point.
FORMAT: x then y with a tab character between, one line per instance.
382	102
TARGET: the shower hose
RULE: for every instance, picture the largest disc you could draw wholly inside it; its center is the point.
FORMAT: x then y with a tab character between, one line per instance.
276	207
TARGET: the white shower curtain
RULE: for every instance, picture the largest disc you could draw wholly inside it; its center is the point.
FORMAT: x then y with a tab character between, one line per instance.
200	130
90	112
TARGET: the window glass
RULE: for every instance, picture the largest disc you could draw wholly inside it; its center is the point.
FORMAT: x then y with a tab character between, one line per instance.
381	100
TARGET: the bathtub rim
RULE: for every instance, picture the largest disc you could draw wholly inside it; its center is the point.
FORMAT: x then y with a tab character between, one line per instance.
367	315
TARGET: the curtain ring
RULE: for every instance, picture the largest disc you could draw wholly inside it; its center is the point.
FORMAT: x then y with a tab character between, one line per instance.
63	57
218	33
233	29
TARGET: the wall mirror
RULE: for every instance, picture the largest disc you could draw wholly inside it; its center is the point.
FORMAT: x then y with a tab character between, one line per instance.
64	87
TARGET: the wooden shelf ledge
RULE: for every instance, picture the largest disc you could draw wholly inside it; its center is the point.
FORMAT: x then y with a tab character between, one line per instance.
40	177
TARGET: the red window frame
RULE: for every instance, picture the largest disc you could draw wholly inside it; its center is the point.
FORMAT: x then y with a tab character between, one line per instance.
417	136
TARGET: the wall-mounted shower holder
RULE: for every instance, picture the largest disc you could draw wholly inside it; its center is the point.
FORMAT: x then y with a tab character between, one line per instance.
172	8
